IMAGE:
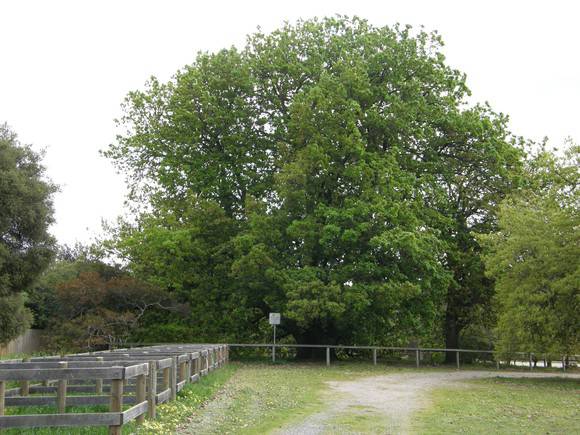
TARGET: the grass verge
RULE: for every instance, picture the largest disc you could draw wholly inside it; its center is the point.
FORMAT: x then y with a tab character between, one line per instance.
503	406
171	414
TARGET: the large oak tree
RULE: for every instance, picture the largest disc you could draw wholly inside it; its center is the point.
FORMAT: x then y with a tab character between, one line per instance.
331	170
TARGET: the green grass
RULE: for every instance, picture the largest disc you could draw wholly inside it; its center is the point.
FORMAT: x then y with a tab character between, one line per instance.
358	419
171	414
13	356
264	397
504	406
253	398
30	410
23	355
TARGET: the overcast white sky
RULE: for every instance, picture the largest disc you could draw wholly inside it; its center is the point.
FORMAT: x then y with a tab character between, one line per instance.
65	67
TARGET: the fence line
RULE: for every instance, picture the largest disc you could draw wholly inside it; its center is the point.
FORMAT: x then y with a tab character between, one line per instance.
30	341
418	351
140	377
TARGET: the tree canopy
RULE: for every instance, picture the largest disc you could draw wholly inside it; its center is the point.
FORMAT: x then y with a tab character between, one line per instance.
330	170
84	303
26	247
534	259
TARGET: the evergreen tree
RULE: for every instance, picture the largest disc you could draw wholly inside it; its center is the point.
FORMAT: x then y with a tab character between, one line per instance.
26	247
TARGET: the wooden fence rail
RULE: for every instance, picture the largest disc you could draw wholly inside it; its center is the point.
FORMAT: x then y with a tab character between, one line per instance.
416	352
131	381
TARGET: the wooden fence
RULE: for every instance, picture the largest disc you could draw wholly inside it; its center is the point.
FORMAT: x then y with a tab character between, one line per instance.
141	378
28	342
416	353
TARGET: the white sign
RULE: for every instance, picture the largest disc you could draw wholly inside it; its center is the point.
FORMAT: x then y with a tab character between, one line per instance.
274	318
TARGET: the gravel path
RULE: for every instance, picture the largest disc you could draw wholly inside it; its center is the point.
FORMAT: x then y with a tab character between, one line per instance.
203	421
392	398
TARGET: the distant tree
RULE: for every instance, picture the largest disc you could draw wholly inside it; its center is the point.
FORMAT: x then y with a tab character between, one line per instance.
26	247
534	259
94	311
67	265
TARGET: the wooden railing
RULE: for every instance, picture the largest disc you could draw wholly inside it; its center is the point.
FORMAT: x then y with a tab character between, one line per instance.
139	377
526	358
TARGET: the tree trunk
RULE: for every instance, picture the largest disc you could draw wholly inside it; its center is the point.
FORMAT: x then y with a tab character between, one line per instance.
451	337
314	335
310	353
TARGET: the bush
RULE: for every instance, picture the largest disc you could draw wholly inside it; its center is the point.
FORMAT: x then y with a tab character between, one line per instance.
15	318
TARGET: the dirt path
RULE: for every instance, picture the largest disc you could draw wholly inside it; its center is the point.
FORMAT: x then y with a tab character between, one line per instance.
387	400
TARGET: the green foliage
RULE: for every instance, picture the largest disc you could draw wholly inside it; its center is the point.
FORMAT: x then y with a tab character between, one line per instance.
534	259
42	297
15	318
330	170
83	303
26	248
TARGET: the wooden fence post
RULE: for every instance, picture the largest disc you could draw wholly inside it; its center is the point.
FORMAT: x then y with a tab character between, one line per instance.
174	378
190	367
61	390
374	357
182	371
2	394
457	358
24	388
417	357
116	403
166	378
25	385
140	395
99	382
152	390
328	356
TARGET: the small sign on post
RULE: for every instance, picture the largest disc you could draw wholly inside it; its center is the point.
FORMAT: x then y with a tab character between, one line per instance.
274	320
